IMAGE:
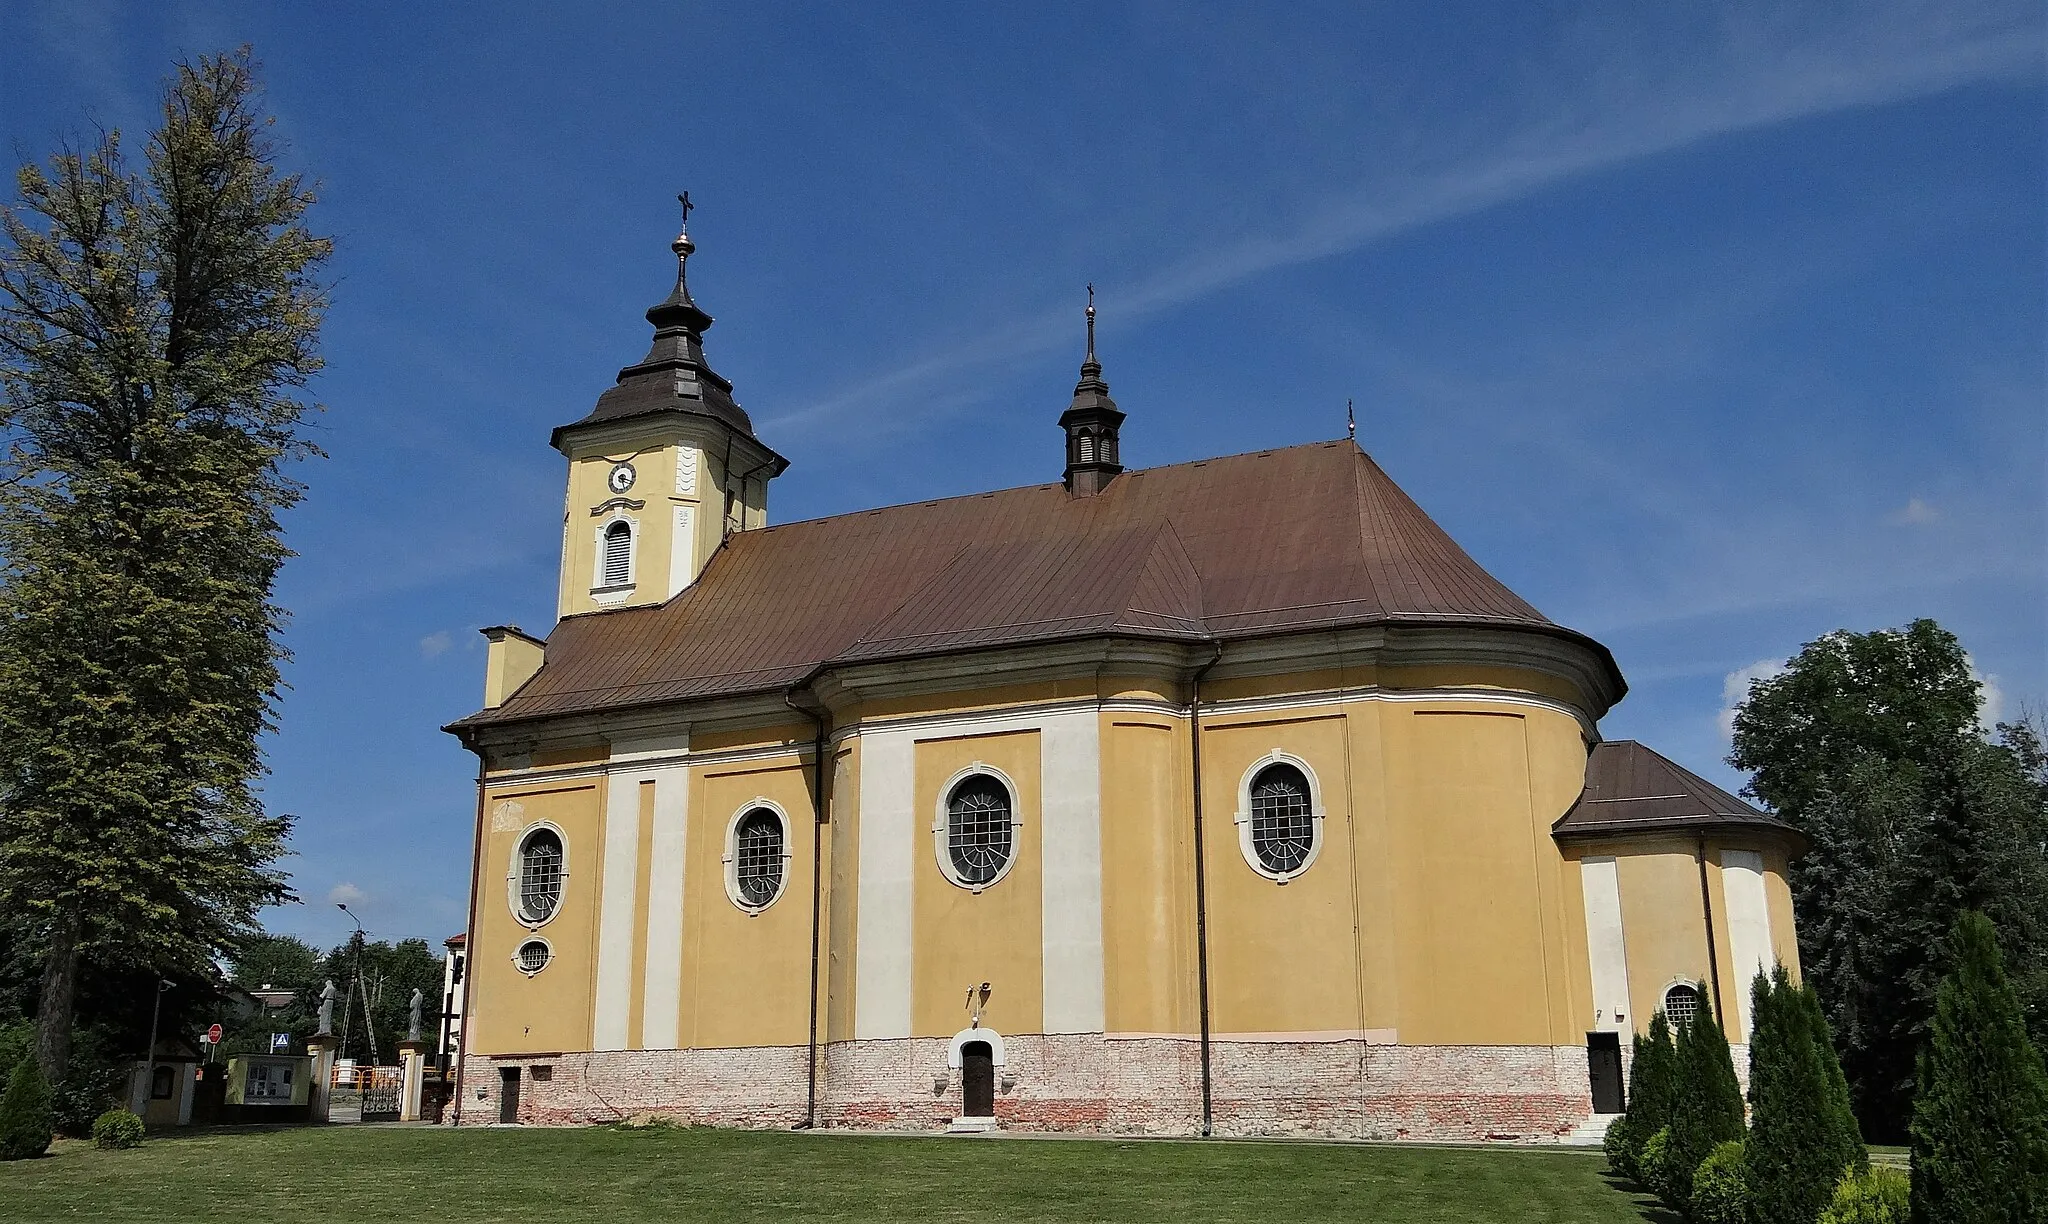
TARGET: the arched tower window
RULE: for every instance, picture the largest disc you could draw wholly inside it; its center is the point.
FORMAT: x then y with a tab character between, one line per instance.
1681	1005
540	875
618	553
1283	830
979	836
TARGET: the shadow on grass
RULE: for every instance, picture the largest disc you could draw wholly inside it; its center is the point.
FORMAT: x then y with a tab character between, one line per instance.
1646	1204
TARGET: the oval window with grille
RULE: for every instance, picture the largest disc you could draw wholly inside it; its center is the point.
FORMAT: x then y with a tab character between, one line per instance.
533	956
1280	820
979	831
759	858
1681	1005
540	875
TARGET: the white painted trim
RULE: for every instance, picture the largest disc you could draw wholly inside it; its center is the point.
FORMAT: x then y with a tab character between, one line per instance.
1749	927
758	803
598	586
682	550
961	1038
1244	814
686	470
883	929
512	874
1606	949
1070	857
942	821
521	946
668	847
611	1006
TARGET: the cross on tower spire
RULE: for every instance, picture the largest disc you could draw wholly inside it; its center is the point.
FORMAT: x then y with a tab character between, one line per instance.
1091	422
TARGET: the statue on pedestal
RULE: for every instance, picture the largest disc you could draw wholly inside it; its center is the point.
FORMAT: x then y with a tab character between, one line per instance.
326	1028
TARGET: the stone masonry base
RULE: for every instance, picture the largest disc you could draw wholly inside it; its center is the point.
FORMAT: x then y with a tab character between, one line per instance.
1084	1083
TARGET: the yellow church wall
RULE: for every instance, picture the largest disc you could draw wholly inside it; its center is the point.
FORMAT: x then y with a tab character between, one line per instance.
1379	888
1280	955
1480	941
843	834
746	977
1662	925
510	1012
963	937
1147	877
1778	902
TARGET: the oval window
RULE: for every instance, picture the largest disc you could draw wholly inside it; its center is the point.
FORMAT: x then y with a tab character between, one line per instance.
533	956
1283	826
1681	1005
540	875
978	829
757	856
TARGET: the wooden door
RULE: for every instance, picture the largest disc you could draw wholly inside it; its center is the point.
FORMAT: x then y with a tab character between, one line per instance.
508	1094
977	1080
1603	1063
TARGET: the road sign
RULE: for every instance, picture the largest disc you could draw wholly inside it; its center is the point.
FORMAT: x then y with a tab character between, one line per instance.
280	1042
213	1035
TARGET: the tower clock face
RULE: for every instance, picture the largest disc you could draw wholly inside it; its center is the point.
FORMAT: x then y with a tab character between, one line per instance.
621	478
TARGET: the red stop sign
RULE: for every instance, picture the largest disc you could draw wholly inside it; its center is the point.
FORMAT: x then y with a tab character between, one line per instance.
213	1035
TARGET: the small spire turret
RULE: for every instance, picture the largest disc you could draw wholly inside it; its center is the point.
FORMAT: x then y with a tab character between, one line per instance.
1092	423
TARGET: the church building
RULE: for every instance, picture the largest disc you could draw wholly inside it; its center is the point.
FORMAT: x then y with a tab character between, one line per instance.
1224	797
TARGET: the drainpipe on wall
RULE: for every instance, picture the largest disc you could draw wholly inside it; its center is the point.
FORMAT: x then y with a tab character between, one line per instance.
816	713
1707	912
476	866
1201	879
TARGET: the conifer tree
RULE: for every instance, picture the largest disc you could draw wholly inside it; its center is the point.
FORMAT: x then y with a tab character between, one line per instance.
1652	1079
26	1121
1980	1118
155	319
1706	1107
1797	1146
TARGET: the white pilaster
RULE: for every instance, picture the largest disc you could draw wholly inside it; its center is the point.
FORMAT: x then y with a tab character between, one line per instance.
667	846
1749	926
682	549
883	921
611	1010
1605	948
1070	757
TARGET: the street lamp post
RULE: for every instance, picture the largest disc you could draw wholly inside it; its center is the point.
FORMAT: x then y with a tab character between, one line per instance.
156	1003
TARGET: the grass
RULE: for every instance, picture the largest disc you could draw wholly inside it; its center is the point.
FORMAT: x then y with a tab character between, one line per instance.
318	1175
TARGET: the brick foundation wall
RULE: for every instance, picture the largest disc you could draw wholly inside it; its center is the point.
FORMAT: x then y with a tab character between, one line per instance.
1083	1083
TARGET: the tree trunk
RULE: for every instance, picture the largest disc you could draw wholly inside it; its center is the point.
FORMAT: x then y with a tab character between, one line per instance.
53	1010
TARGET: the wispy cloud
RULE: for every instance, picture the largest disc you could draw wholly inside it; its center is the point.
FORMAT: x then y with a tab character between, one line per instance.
346	894
1916	511
1754	75
436	644
1735	690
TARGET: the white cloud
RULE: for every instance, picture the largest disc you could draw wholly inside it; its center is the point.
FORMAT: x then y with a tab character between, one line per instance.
346	894
1916	511
1993	709
1757	74
436	643
1735	690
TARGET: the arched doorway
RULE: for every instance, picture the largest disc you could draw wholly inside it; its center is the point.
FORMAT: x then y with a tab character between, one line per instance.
977	1080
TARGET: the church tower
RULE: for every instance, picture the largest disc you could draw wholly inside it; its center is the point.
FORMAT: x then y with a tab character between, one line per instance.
663	468
1091	422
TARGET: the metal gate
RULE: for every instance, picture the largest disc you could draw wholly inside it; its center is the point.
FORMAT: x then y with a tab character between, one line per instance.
382	1088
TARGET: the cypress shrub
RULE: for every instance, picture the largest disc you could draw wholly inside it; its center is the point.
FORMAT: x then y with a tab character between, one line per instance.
1706	1107
1652	1078
1656	1163
1980	1116
26	1124
1802	1134
1720	1188
1870	1196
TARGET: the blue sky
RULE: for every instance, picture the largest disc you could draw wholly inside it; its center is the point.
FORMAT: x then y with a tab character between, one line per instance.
1708	329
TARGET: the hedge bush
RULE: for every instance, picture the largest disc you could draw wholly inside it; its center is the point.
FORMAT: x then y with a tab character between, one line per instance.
26	1124
1872	1196
1720	1187
1706	1105
117	1128
1652	1076
1655	1164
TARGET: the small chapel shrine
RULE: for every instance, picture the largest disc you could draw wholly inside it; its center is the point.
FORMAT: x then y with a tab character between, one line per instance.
1224	797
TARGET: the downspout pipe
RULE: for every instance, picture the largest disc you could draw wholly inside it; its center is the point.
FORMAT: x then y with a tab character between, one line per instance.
1201	883
815	711
1707	912
476	868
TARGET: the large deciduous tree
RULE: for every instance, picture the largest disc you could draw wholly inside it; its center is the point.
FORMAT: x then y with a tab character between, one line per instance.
157	317
1870	743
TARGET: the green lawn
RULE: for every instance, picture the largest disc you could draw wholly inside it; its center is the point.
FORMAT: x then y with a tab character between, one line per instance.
312	1176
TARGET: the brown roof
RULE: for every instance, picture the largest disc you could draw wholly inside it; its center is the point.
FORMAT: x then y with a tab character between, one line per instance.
1633	789
1306	537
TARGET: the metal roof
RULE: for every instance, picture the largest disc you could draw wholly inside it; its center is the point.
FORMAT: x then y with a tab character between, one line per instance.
1279	541
1634	789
